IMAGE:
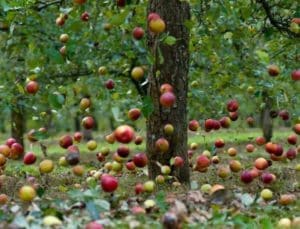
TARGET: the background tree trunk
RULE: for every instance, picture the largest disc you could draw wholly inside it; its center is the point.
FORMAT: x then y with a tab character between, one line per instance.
266	120
18	123
173	70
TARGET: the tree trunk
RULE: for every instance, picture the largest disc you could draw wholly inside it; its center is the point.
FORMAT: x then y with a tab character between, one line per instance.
173	70
266	120
18	123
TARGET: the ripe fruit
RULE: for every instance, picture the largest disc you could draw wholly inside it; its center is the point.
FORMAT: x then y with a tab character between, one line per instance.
5	150
165	88
16	150
250	148
27	193
296	75
202	161
287	199
235	166
232	152
223	172
178	162
85	103
291	154
169	129
160	179
29	158
110	84
102	70
296	128
193	125
123	151
94	224
205	188
209	124
65	141
157	25
88	122
46	166
79	1
77	136
215	160
194	146
124	134
64	38
284	114
137	73
273	70
140	160
139	188
246	177
167	99
91	145
3	199
138	140
284	223
134	114
85	16
109	183
32	87
63	50
2	160
266	194
110	138
153	16
250	121
232	105
138	33
78	170
162	145
121	3
261	163
130	165
267	178
292	139
233	116
225	122
149	186
165	170
219	143
62	161
217	125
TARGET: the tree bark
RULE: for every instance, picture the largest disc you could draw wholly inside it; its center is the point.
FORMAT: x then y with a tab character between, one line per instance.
18	123
266	120
173	70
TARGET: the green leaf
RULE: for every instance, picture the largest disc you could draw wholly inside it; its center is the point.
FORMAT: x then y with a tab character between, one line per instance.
170	40
116	114
147	107
263	56
160	200
266	223
56	100
40	192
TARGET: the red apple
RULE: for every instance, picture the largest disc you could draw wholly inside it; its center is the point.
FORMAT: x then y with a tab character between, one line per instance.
16	150
100	157
225	122
167	99
65	141
85	16
121	3
202	161
260	141
130	165
178	162
60	21
138	140
29	158
110	84
139	188
94	225
232	105
5	150
123	151
250	148
279	150
134	114
88	122
292	139
261	163
273	70
162	145
124	134
138	33
166	88
219	143
109	183
77	136
296	128
270	148
32	87
296	75
233	116
193	125
217	125
246	177
291	154
250	121
284	114
153	16
10	141
140	160
209	124
267	178
80	2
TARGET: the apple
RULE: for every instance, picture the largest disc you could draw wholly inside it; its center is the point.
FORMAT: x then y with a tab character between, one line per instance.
110	138
88	122
10	141
223	172
219	143
260	141
32	87
77	136
5	150
217	125
137	73
149	186
235	166
233	116
205	188
250	121
100	157
232	152
284	114
140	160
209	124
138	140
291	154
110	84
109	183
232	105
296	75
225	122
194	146
138	33
178	162
2	160
85	16
102	70
3	199
255	172
162	145
139	188
121	3
190	153
266	194
130	165
215	160
246	177
31	137
296	220
80	2
105	151
284	223
17	150
91	145
157	25
85	103
94	224
62	161
64	38
73	149
65	141
116	166
29	158
124	134
160	179
296	128
273	70
165	88
202	161
78	170
63	50
279	150
206	153
270	147
250	148
153	16
46	166
287	199
193	125
261	163
170	221
169	129
60	21
134	114
167	99
267	178
27	193
123	151
165	170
